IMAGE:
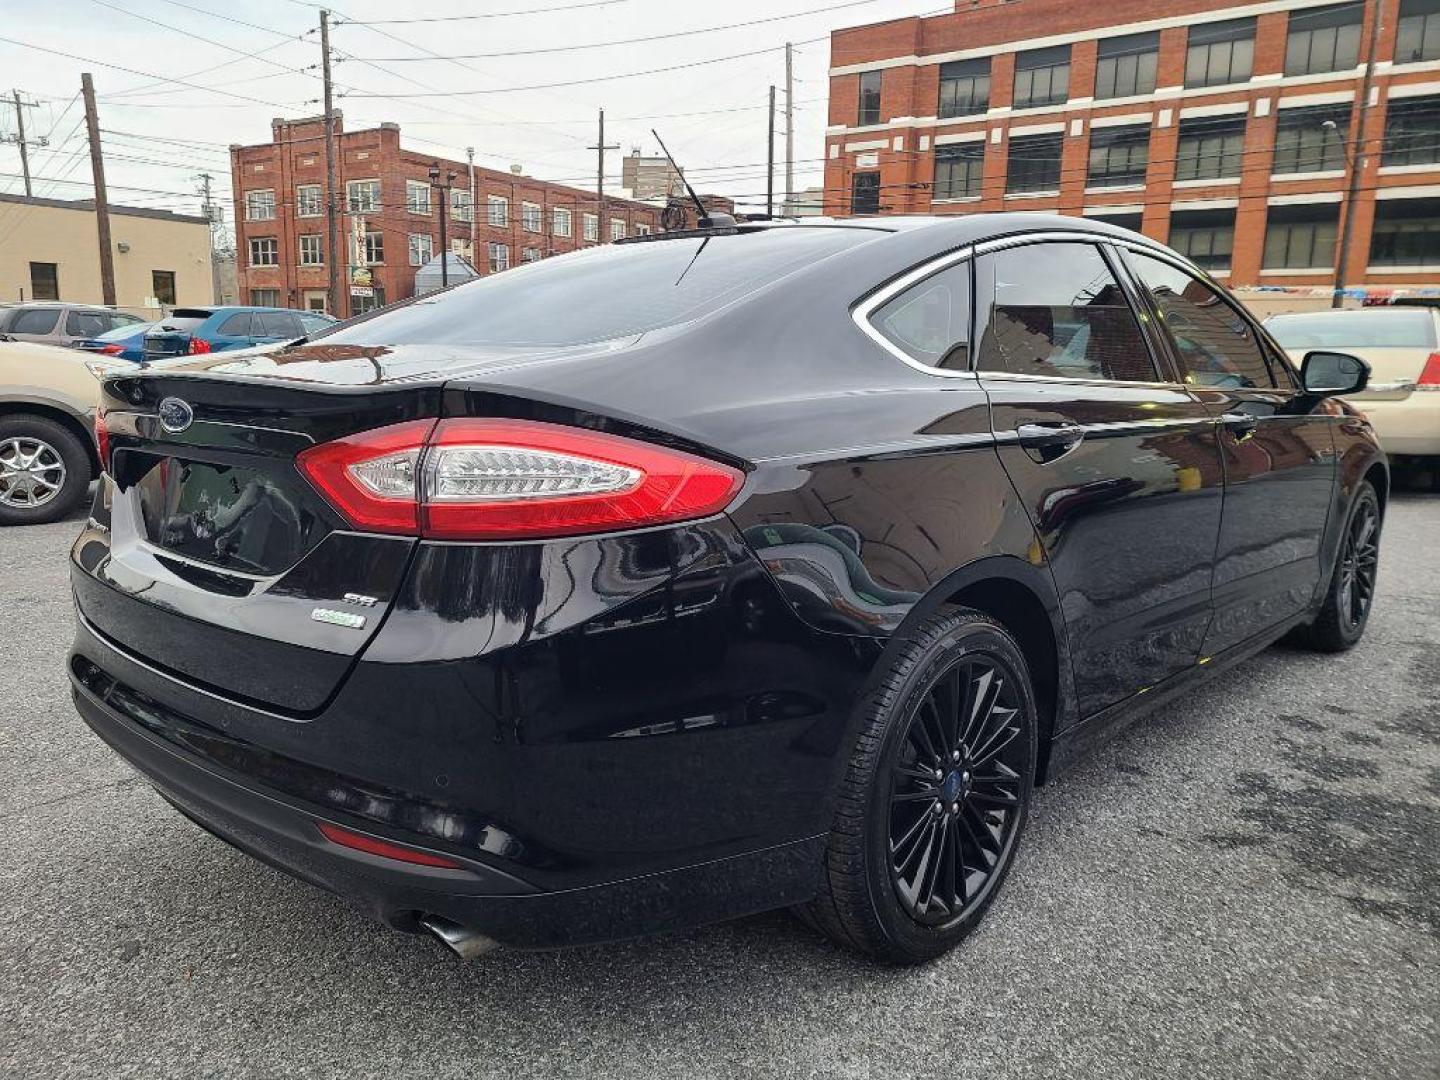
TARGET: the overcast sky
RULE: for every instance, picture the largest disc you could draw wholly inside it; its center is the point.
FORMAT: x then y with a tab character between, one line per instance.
268	51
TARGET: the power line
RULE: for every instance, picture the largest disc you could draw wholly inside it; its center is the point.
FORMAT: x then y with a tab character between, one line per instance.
486	15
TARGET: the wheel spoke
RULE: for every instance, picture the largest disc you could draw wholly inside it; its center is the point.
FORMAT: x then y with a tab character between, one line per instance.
912	796
929	875
1004	735
981	699
908	841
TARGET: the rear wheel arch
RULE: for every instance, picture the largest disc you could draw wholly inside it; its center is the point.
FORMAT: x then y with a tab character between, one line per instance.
65	419
1378	477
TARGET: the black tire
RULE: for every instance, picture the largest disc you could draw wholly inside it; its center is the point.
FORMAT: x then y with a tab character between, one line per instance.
19	502
866	902
1350	593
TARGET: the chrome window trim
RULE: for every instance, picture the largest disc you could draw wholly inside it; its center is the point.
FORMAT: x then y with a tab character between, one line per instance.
862	311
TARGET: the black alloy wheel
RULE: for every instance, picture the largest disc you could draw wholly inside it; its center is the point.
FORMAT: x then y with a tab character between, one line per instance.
1340	623
936	794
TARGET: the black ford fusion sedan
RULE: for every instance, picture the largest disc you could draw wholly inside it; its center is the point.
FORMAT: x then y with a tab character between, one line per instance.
697	575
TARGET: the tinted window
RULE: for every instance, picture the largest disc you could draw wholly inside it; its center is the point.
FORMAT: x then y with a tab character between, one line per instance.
35	321
1060	312
931	320
603	292
119	319
1355	330
313	324
128	330
236	325
1217	347
181	324
86	323
278	324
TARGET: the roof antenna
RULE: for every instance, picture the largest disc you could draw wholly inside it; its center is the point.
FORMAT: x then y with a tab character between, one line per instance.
705	219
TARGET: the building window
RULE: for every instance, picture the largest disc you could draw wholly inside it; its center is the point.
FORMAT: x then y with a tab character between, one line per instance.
617	228
531	217
1407	233
421	249
265	297
499	211
1210	148
1042	77
311	253
417	197
1303	142
260	205
162	287
1205	237
1418	36
44	281
363	196
530	254
265	251
865	193
1126	65
374	249
1220	52
462	205
964	87
499	257
309	201
1131	221
642	228
1118	155
1323	39
869	112
1301	237
1034	163
1412	132
959	170
591	224
561	225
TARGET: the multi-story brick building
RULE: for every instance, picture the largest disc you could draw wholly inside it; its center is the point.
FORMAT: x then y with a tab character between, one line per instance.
1226	130
390	224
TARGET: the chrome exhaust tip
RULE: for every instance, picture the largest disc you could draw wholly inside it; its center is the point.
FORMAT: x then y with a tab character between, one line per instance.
464	943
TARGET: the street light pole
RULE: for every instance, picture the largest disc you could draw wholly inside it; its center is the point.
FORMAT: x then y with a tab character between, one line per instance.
444	198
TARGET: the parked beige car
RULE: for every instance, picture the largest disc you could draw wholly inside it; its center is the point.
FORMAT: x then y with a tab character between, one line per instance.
47	418
1402	346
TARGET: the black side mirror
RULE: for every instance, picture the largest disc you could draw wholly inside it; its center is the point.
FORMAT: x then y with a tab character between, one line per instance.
1324	373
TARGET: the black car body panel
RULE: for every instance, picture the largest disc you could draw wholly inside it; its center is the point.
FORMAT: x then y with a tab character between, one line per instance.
644	729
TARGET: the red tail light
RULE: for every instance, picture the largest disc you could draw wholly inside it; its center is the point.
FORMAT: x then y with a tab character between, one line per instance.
373	845
1430	374
199	346
112	349
102	439
492	479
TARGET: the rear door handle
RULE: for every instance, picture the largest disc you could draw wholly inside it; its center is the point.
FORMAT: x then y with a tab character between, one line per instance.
1242	424
1047	440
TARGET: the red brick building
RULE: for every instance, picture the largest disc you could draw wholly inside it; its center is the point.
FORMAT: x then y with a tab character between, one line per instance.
390	222
1226	130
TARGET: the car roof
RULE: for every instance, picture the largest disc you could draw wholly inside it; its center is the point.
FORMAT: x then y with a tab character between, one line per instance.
1369	312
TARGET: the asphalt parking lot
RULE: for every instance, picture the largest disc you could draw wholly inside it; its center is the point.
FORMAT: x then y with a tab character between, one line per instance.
1245	885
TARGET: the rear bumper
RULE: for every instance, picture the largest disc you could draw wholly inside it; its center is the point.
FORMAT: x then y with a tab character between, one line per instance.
1406	426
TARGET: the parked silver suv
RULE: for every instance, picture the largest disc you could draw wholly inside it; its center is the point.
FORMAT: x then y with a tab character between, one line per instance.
52	323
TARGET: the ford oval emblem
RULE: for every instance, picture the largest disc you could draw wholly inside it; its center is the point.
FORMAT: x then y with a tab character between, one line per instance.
175	415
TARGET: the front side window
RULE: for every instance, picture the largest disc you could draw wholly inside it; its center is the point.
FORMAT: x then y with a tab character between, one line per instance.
561	222
87	324
1059	312
1324	39
1301	237
930	321
1311	139
417	197
499	257
462	205
959	170
260	205
869	104
964	87
1210	148
44	281
1221	52
311	253
363	196
531	217
1034	163
1406	233
1125	66
265	251
1118	155
1205	237
499	211
1042	77
1217	346
1417	37
421	249
309	201
1412	132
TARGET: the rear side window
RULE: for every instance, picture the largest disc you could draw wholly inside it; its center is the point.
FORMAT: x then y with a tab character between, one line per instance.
605	292
1413	329
35	321
930	321
86	323
1216	345
1059	312
279	324
236	325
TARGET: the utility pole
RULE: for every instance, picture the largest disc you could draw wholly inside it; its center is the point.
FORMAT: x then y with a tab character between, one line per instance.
600	224
444	190
213	218
474	203
338	308
102	199
1356	159
770	157
789	123
19	138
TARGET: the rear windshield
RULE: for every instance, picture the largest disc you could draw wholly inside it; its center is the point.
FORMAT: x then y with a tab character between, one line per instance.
179	323
1355	330
129	330
603	292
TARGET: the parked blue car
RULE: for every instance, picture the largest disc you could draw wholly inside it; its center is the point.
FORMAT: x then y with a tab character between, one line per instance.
194	331
123	343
